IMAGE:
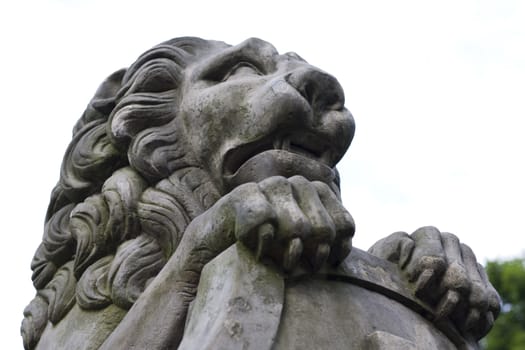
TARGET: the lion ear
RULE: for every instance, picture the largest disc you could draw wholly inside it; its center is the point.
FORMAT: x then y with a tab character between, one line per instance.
103	102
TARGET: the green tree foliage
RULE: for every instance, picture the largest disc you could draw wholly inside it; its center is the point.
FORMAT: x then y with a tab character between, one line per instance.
508	277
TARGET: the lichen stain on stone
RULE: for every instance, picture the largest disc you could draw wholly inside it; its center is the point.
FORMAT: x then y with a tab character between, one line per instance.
239	304
233	328
269	300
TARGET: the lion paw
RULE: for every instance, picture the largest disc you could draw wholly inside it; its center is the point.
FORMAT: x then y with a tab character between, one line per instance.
446	275
292	220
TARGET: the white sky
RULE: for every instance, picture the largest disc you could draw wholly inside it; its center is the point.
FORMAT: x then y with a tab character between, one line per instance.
437	90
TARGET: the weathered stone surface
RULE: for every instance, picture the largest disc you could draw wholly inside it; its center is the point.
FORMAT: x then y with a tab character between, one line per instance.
238	305
348	322
379	340
81	329
362	304
198	147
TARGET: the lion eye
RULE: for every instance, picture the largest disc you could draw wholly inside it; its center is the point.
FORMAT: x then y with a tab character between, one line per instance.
242	69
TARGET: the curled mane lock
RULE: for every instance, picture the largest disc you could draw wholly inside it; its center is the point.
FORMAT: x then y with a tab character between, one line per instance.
128	188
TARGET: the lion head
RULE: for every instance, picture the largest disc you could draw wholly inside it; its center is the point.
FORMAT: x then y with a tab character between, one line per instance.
161	142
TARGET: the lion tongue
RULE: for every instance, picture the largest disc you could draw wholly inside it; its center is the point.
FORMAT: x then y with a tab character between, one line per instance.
283	163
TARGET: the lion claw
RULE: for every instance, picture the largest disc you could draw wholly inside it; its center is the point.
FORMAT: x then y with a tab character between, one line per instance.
447	304
321	255
292	254
265	235
339	252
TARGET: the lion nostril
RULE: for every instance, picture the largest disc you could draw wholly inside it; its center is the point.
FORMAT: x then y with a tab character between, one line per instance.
322	91
334	102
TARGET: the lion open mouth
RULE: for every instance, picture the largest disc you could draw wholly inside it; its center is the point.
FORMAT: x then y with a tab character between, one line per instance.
289	155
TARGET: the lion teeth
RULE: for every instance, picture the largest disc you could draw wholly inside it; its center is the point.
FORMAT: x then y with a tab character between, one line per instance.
283	144
286	144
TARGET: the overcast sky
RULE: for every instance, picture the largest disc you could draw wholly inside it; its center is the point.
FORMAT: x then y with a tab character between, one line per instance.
437	90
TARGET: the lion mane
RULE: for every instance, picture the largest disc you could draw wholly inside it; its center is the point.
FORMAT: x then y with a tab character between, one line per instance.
105	237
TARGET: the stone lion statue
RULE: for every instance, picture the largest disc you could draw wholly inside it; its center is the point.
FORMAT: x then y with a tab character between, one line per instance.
203	158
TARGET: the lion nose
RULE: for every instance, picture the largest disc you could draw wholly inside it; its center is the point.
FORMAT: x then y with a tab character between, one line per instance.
321	90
